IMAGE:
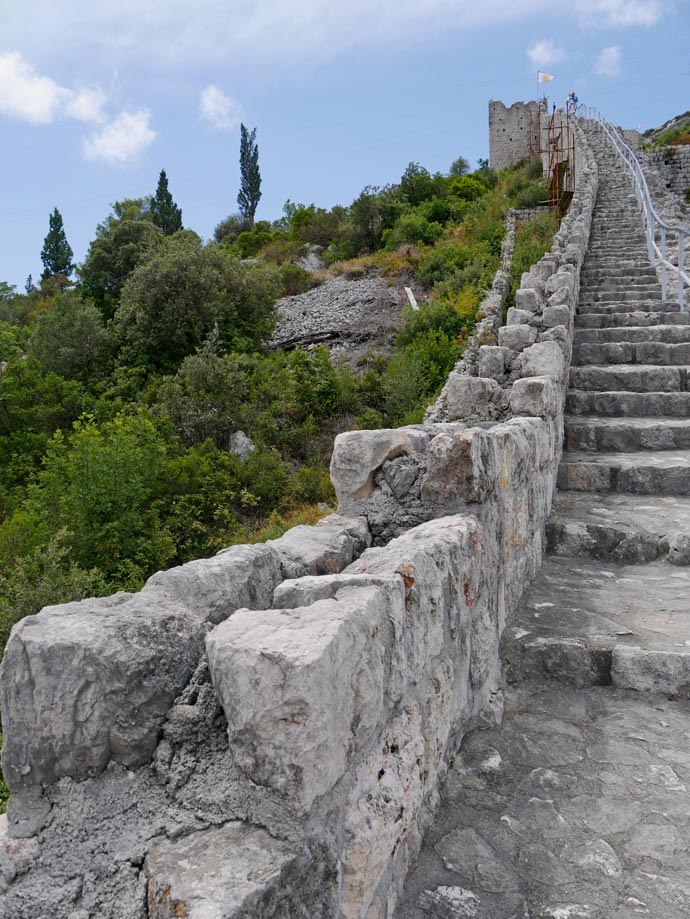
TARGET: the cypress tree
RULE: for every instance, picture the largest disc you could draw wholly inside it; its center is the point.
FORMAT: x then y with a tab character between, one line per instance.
56	253
250	177
165	214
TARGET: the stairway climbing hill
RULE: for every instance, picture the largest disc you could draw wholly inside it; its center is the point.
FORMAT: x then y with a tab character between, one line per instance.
579	805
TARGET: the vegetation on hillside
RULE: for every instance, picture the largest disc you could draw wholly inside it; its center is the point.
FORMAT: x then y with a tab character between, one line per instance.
120	392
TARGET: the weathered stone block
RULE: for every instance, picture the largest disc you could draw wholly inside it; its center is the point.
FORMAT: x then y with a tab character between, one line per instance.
358	454
544	359
492	362
556	315
318	549
528	298
213	588
460	467
302	688
381	810
561	335
534	396
518	317
517	337
222	872
88	682
470	396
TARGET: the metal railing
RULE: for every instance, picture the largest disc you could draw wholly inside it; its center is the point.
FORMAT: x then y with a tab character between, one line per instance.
653	223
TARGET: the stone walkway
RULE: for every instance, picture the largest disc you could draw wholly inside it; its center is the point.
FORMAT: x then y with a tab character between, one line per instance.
579	805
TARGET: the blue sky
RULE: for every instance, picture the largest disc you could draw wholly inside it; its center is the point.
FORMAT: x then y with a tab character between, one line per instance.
97	96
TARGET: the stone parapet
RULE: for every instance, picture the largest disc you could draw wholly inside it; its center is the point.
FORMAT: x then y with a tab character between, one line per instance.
264	733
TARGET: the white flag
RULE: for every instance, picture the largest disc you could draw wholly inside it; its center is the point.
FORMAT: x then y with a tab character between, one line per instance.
544	77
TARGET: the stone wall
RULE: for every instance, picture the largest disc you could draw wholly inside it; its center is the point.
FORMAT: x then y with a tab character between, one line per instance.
263	734
512	132
671	165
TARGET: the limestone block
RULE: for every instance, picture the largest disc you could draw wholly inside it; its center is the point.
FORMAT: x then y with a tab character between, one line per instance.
561	335
442	564
381	810
544	359
651	670
517	337
514	459
217	872
302	688
564	278
470	396
492	362
91	681
460	467
318	549
534	396
562	296
213	588
358	454
518	317
449	903
556	315
527	298
400	475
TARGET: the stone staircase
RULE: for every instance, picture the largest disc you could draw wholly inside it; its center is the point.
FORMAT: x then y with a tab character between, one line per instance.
578	806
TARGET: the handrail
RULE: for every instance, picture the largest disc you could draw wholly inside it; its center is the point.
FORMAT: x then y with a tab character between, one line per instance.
652	220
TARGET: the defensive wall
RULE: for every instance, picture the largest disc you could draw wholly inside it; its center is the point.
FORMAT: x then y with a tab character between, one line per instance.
264	733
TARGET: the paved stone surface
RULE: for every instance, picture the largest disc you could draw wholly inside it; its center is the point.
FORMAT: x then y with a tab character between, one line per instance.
579	612
577	807
624	528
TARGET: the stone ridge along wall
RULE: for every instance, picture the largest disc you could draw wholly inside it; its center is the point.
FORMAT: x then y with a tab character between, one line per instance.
264	733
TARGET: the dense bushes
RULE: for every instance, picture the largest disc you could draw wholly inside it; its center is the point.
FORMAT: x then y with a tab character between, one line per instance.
120	396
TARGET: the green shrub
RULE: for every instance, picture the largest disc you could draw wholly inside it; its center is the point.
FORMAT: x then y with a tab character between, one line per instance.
295	279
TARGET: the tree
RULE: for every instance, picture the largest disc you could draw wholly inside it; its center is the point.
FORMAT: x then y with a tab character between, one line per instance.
56	253
70	338
459	167
29	286
164	212
124	240
250	177
174	299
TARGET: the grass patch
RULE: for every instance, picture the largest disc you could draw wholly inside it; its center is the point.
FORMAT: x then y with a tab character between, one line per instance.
533	239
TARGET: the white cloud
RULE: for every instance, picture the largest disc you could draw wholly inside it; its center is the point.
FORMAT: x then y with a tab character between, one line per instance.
87	105
608	64
545	53
27	95
208	31
122	141
612	13
220	110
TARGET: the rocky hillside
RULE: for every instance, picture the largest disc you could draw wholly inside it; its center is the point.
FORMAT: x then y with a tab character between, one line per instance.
349	316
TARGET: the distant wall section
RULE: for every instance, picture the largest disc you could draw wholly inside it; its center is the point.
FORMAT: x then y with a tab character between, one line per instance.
513	132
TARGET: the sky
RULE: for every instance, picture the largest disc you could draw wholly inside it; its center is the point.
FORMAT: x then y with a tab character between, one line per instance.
97	96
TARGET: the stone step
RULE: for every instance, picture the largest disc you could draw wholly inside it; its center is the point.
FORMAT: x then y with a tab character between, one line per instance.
598	293
621	528
672	334
615	263
643	473
626	435
616	272
629	378
636	318
590	622
628	404
629	352
635	285
629	306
